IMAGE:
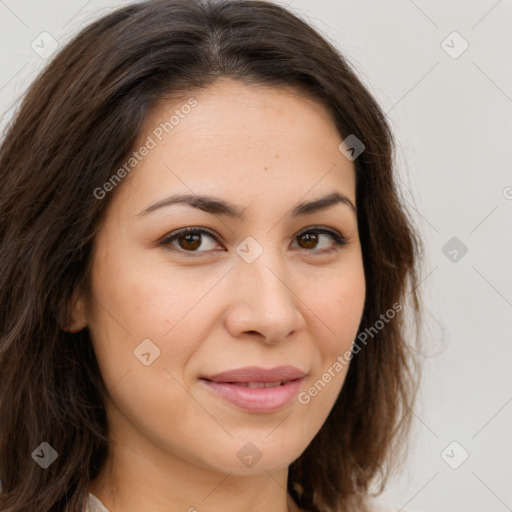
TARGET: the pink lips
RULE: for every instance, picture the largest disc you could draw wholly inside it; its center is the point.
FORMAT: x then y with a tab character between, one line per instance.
257	389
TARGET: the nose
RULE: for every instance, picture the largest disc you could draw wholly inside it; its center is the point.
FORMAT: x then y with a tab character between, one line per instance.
264	301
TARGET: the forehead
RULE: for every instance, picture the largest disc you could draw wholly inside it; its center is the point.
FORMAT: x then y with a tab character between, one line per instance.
253	144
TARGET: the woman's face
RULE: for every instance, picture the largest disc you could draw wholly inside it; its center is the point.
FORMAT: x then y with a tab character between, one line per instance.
264	289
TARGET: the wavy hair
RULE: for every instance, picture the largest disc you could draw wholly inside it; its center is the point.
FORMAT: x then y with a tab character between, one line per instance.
76	124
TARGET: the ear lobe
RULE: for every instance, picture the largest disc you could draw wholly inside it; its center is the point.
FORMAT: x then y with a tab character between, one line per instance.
78	319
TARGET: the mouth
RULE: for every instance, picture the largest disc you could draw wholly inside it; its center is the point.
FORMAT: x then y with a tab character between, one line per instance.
255	385
255	389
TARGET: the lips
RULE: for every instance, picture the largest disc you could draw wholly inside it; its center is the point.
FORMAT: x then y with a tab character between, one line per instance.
254	374
257	389
255	385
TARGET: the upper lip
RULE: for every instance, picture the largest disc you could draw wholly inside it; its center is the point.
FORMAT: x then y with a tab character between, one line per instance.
257	374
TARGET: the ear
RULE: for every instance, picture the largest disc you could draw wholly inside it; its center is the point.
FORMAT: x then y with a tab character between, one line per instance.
78	317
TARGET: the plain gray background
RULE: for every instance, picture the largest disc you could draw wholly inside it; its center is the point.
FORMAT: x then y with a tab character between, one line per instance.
451	110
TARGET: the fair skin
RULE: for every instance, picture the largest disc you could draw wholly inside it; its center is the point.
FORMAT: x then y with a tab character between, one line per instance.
208	310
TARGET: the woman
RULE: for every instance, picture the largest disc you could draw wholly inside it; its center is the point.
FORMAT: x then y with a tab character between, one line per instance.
206	265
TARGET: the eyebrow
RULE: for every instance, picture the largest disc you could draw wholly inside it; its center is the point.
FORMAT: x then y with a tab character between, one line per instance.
218	206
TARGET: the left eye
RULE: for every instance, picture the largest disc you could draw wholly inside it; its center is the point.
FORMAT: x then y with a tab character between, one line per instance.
312	237
190	240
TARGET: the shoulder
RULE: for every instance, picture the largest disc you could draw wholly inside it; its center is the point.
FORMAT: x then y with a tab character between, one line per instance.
94	504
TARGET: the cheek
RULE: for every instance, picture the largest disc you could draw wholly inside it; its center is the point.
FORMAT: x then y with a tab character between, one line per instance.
139	297
336	305
338	308
135	302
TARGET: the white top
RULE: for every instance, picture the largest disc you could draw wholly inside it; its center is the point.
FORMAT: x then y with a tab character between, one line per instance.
95	505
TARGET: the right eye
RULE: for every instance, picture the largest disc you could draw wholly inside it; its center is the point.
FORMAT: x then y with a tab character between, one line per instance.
189	240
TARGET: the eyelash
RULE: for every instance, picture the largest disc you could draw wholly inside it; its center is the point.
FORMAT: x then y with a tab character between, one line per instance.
338	238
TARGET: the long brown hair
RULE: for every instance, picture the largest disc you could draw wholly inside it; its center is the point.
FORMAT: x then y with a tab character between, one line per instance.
76	125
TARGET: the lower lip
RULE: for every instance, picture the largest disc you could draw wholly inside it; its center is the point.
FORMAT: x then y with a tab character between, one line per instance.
256	399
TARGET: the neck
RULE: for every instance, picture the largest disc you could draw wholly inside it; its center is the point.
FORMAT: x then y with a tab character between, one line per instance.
131	481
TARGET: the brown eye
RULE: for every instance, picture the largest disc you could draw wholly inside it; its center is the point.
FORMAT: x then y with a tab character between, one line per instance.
190	240
195	241
309	240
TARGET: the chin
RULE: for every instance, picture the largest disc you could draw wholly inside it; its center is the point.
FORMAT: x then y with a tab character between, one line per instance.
255	458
